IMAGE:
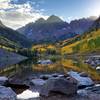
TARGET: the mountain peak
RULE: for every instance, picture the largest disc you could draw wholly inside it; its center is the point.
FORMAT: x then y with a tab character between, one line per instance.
40	20
53	19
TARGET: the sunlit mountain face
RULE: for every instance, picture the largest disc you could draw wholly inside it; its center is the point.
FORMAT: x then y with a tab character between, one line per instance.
17	13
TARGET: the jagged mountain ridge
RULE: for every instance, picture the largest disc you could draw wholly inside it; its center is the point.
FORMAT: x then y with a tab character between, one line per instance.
54	28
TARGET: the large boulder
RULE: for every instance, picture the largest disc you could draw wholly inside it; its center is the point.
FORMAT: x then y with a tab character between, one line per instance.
7	93
58	85
72	80
3	80
82	81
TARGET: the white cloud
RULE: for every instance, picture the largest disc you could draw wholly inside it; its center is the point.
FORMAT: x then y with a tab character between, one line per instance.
4	4
3	1
70	18
17	15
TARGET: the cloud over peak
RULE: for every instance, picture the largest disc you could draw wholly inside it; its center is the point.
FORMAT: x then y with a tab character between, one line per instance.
19	12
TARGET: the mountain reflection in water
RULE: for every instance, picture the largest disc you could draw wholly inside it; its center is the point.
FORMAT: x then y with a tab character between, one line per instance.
28	67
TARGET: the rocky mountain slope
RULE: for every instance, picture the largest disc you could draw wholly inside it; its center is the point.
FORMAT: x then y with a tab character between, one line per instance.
55	29
88	42
10	37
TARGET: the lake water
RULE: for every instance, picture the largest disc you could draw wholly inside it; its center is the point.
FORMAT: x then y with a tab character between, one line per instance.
28	68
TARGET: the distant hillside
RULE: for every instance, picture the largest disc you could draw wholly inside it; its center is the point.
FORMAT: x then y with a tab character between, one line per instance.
12	38
88	42
8	43
54	29
69	41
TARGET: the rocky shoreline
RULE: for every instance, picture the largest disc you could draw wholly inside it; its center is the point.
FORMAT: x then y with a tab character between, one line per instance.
70	86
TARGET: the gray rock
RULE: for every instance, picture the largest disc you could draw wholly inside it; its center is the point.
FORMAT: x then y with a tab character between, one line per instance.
7	93
37	82
82	81
97	62
58	85
91	93
3	80
45	62
87	61
98	68
95	89
93	63
82	93
72	80
83	74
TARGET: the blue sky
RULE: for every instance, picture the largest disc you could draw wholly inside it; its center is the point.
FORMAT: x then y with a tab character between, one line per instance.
69	9
16	13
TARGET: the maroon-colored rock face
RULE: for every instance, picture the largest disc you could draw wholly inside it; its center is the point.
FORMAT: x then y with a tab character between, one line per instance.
54	29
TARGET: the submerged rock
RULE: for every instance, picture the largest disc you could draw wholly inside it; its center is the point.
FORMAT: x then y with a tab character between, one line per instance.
7	93
3	80
58	85
82	81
